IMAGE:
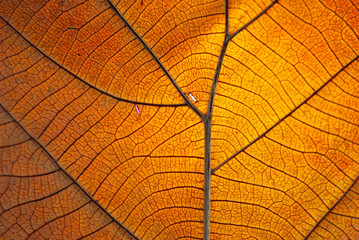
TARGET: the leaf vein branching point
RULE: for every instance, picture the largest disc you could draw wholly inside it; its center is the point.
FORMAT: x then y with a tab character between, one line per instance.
157	60
286	116
84	81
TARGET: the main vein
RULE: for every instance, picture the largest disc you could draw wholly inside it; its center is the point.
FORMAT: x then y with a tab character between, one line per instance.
208	119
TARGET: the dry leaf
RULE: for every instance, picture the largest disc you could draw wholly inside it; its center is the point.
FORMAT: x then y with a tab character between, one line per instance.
179	119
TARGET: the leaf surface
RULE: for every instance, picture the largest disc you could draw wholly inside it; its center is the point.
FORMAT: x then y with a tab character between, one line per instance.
179	120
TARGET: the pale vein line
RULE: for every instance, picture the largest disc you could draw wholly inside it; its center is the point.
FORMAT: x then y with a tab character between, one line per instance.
69	176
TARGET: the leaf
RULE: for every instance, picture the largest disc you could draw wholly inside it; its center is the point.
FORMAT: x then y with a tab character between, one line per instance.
168	120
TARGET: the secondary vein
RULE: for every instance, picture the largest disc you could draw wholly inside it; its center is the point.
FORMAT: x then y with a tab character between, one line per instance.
68	175
84	81
157	60
286	116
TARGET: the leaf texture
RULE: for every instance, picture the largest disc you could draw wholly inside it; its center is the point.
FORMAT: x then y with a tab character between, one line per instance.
32	183
179	120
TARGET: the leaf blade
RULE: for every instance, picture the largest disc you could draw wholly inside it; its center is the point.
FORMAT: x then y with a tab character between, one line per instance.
68	186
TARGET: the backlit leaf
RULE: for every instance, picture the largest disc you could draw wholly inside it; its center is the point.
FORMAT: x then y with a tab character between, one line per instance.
179	120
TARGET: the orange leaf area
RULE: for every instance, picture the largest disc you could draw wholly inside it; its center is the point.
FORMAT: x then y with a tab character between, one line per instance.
151	119
38	200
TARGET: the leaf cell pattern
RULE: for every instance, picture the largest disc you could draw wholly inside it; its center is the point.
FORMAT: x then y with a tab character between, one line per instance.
179	119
